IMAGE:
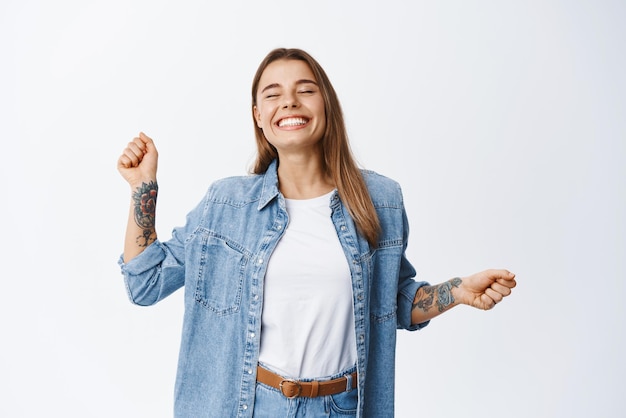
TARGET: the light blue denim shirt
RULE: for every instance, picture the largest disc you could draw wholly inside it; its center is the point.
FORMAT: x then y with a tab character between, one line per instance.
220	257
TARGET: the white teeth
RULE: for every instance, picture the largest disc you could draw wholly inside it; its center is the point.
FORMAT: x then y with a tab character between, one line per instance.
292	122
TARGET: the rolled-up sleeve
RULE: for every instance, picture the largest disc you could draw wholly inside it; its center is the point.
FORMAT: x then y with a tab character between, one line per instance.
407	285
160	269
154	274
406	297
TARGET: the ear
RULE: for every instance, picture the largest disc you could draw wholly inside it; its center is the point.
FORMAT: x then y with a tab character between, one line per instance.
257	116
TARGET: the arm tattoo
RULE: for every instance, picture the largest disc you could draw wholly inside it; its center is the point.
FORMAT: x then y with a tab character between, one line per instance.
144	200
443	293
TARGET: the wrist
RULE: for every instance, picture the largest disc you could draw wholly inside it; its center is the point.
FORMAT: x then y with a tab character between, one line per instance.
142	184
449	294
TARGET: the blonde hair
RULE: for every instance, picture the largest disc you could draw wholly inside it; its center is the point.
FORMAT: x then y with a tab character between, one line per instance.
338	160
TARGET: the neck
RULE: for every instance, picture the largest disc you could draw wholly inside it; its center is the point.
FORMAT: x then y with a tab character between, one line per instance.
303	177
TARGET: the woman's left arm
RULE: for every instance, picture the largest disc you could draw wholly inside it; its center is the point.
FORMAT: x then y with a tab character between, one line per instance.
481	290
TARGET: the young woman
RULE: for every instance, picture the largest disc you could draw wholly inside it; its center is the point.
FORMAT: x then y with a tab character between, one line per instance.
295	277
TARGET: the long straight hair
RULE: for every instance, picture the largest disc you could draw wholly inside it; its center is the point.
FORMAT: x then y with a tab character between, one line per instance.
338	160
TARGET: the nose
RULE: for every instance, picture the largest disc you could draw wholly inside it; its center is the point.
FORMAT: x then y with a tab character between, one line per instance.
290	101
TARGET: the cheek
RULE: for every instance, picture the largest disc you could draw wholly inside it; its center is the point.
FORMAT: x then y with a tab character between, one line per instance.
321	109
265	115
262	117
266	120
322	114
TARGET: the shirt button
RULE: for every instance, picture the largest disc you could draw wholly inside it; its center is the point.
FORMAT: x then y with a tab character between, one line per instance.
250	371
343	227
256	297
245	407
278	227
252	335
260	261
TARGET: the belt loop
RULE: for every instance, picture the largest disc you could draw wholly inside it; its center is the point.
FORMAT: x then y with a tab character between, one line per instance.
348	382
315	387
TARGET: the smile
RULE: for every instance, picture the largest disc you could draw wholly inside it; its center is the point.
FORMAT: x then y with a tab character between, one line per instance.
294	121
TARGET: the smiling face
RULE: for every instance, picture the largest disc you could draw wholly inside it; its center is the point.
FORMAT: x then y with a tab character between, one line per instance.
290	107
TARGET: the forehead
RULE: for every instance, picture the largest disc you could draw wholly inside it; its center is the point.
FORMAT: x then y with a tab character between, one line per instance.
285	71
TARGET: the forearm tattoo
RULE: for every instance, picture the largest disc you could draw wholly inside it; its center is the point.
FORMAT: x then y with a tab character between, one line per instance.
442	292
144	201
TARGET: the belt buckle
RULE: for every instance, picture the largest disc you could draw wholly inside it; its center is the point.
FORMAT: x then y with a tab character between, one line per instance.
295	382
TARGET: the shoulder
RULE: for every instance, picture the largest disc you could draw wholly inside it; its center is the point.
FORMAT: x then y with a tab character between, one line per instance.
236	190
383	190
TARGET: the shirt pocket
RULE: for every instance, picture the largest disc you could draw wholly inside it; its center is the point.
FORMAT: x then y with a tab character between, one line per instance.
384	281
220	273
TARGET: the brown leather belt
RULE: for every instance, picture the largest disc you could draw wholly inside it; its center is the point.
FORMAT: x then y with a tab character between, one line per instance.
295	388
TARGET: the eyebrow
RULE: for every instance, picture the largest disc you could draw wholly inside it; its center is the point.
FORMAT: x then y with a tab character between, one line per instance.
274	85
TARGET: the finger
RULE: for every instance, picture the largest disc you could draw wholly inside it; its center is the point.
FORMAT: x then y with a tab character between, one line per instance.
487	302
493	295
129	160
134	154
124	162
145	138
139	143
500	274
506	282
146	141
137	146
146	144
503	290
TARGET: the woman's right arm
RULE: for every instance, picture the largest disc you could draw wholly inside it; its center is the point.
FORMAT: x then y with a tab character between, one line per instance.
138	166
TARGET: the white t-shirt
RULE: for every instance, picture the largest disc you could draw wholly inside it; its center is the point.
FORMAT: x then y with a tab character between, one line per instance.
307	327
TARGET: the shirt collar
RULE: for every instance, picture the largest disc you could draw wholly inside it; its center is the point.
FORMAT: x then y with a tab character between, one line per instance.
270	185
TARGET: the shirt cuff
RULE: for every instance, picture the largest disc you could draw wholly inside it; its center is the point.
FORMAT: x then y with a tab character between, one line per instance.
406	297
146	260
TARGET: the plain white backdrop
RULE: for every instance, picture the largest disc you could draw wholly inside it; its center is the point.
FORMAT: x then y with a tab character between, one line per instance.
504	122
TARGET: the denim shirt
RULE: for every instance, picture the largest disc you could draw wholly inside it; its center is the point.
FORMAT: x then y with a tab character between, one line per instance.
220	257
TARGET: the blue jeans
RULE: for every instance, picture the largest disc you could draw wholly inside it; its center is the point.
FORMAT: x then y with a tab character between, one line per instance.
271	403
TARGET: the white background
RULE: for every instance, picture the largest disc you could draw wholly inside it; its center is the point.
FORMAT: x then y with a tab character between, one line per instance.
504	121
